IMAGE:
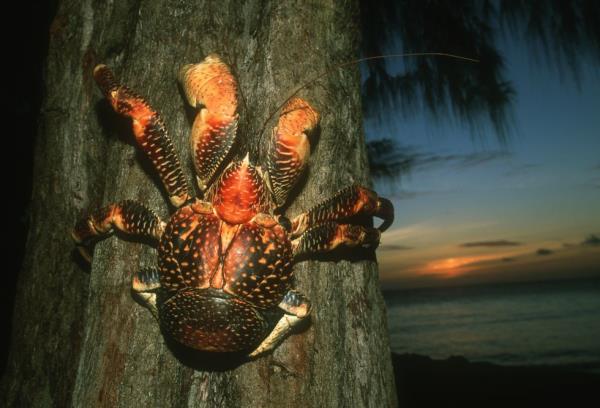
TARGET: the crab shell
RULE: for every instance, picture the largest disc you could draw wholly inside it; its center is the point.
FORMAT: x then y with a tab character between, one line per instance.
221	263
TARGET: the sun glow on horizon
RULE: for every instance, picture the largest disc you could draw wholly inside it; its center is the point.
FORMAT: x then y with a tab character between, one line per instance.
522	263
452	267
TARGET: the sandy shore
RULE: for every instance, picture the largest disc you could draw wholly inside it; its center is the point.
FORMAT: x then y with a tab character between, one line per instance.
456	382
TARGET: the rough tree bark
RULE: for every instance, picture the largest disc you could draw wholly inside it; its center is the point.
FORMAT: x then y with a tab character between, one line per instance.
79	338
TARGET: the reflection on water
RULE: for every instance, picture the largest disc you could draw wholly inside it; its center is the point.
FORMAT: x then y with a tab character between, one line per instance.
527	323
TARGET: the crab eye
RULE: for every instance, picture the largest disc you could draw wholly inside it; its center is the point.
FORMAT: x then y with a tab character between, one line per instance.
284	222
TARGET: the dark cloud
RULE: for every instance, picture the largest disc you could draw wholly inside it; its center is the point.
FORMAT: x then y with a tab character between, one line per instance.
475	159
458	160
394	247
496	243
521	169
490	262
390	159
591	240
403	194
544	251
409	194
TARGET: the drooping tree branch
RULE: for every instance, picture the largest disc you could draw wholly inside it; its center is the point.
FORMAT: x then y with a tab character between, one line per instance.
567	33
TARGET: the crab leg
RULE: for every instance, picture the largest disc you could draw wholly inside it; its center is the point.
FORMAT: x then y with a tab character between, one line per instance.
210	84
290	147
145	283
296	308
328	236
150	133
346	203
128	216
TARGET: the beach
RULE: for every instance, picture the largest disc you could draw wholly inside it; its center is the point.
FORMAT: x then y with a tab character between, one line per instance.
502	345
456	382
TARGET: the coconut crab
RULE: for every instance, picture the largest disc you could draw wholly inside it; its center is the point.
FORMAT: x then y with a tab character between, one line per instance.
226	259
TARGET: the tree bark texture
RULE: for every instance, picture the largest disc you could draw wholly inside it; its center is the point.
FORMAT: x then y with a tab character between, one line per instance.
79	337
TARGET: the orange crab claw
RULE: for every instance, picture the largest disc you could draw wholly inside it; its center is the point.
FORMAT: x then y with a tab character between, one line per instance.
211	85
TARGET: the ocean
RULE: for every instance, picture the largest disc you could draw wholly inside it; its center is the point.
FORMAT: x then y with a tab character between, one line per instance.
541	323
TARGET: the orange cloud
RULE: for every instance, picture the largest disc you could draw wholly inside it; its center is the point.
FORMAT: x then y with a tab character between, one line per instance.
456	266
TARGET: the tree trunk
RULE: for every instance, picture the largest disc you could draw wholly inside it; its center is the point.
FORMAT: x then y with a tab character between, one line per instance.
79	337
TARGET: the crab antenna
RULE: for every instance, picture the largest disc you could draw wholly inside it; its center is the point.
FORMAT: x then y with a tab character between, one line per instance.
356	61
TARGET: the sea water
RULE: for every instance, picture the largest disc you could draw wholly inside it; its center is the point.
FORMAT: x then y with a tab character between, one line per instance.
550	323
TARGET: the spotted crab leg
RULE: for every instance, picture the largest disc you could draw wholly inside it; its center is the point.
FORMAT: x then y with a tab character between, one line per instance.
129	217
346	203
210	86
297	309
145	284
328	236
289	147
150	134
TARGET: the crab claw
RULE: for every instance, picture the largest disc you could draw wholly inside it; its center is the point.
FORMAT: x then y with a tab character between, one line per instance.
105	79
210	87
385	211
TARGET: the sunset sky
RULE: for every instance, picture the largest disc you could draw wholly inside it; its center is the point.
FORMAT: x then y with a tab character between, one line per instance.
478	211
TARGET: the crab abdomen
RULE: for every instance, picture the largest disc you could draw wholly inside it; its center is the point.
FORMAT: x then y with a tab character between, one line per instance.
251	261
211	320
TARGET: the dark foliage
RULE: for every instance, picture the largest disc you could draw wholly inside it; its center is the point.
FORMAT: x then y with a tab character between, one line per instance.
566	32
469	91
387	159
